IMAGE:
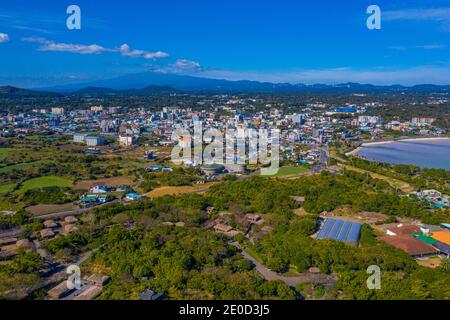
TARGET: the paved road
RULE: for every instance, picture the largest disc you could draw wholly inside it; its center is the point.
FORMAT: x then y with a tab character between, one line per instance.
58	215
84	285
327	280
59	271
322	162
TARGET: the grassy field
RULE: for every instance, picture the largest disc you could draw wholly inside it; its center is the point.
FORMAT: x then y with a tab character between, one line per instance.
290	171
5	205
7	188
4	152
42	182
166	191
20	166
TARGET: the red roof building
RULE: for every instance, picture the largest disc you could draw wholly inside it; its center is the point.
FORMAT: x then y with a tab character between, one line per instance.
410	245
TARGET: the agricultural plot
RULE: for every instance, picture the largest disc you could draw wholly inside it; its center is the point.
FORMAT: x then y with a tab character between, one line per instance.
290	171
7	188
4	152
20	166
43	182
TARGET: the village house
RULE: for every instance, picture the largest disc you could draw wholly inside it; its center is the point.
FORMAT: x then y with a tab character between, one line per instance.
25	244
90	293
133	197
90	200
252	218
49	224
7	241
70	219
222	228
68	229
122	188
149	294
400	229
47	233
298	199
98	280
99	188
59	291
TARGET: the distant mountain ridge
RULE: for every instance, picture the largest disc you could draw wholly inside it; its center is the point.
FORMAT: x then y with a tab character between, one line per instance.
11	92
147	91
206	85
152	83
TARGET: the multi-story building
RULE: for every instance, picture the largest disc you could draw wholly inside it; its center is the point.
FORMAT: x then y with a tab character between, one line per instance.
79	137
417	121
93	141
364	120
127	141
58	110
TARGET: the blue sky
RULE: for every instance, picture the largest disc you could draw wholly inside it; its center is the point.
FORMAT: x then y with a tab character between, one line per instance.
321	41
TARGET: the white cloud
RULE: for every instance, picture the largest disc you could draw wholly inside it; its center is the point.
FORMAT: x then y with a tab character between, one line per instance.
181	66
35	40
74	48
126	51
431	46
47	45
4	37
27	28
184	64
434	14
399	48
425	47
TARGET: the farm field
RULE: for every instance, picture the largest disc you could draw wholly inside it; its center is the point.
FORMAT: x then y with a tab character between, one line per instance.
4	152
166	191
43	182
290	171
42	209
111	182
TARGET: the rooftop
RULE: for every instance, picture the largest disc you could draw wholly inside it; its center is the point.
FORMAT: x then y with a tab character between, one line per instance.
410	245
442	236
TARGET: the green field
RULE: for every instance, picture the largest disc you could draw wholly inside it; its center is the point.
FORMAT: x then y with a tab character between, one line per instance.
290	171
20	166
7	188
4	152
42	182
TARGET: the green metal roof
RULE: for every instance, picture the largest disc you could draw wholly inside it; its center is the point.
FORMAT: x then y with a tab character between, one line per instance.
424	238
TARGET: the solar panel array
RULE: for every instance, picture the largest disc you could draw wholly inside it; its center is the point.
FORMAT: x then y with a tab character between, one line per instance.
342	230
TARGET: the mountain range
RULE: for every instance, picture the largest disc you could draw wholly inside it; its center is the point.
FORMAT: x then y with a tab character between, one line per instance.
152	83
146	91
13	92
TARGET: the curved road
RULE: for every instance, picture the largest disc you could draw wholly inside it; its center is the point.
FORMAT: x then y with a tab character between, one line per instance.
327	281
57	215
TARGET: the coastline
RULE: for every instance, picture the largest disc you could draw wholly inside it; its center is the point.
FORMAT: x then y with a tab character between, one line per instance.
427	139
354	152
379	143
